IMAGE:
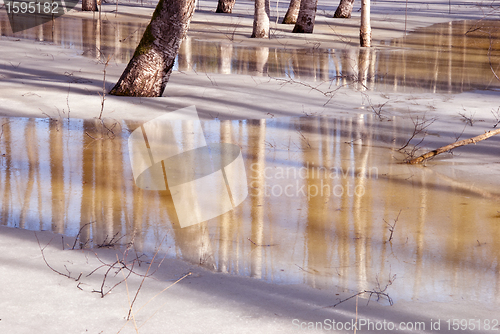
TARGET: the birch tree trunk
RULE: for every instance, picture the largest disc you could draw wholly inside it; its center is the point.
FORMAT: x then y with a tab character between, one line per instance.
90	5
365	32
225	6
148	71
307	15
344	9
261	19
292	13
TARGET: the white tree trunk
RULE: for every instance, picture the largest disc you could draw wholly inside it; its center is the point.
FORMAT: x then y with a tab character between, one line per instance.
90	5
261	19
185	58
363	66
225	57
225	6
148	71
292	13
344	9
307	15
365	33
261	58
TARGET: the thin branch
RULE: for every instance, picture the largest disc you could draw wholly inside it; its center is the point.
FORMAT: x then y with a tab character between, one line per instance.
78	236
123	266
67	100
256	244
379	292
467	119
418	127
304	138
496	114
378	112
450	147
489	57
329	93
168	287
393	226
48	265
103	96
1	133
142	282
159	293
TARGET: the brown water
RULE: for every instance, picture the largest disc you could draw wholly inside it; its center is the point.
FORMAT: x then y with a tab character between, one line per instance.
322	192
450	57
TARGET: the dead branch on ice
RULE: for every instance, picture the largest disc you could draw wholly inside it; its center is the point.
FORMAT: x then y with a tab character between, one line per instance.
378	291
447	148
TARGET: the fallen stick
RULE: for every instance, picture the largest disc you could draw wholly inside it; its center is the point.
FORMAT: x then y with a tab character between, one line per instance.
447	148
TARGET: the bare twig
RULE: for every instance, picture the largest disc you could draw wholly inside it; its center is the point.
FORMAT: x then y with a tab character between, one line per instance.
88	134
378	291
355	328
419	126
1	133
67	100
391	227
159	293
168	287
256	244
110	132
496	114
457	137
142	282
328	93
48	265
103	96
468	119
112	242
78	236
213	82
112	269
119	265
304	138
489	58
378	111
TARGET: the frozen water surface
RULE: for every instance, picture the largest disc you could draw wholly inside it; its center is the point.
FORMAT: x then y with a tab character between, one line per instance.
324	194
448	57
330	202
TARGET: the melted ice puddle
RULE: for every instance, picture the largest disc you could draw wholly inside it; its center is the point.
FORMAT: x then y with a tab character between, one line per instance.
443	58
324	195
